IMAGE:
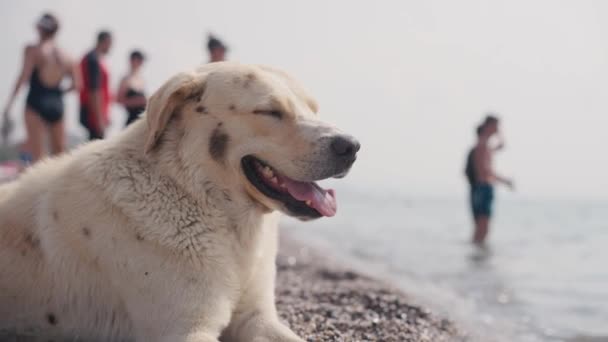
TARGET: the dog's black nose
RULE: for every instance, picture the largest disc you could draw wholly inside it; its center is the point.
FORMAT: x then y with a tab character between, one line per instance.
345	146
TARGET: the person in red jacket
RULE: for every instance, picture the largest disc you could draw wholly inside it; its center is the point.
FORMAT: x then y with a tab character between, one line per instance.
95	95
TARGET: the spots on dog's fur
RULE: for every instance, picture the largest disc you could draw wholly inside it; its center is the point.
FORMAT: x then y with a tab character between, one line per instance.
218	144
146	273
201	109
50	317
86	232
249	78
55	215
232	107
139	237
31	240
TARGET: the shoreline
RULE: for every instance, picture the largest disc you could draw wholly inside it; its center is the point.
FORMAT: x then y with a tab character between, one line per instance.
323	300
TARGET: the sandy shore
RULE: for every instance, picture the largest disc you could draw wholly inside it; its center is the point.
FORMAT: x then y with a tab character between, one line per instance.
323	301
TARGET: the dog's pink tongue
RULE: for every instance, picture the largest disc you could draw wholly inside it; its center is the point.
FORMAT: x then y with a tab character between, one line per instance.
322	200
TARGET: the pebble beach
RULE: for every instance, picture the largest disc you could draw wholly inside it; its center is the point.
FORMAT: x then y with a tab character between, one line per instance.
322	300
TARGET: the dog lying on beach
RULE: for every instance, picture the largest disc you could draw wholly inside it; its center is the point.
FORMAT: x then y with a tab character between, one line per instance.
168	231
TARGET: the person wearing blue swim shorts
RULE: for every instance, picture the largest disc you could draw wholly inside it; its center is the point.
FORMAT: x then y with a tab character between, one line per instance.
481	177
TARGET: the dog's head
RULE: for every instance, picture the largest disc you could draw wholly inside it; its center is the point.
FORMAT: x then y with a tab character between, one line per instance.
259	129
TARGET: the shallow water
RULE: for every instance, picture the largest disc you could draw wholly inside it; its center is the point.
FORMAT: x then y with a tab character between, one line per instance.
543	276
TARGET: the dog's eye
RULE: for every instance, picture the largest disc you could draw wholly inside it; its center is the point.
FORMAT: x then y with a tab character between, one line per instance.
274	113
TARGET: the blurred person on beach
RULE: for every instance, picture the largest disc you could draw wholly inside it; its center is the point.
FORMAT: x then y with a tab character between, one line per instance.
95	94
481	176
45	66
131	89
6	127
217	50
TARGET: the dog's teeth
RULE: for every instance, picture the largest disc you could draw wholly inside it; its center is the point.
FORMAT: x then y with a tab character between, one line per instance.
309	203
267	172
274	180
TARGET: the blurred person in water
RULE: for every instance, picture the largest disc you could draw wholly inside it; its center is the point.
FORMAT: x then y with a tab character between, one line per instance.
482	177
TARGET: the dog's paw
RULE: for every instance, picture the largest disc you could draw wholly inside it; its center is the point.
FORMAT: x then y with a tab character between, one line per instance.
278	339
277	333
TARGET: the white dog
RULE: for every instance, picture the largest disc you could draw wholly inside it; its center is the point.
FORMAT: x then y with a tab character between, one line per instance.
168	231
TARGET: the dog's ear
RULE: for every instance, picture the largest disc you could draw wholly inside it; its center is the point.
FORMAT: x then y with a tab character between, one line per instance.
167	100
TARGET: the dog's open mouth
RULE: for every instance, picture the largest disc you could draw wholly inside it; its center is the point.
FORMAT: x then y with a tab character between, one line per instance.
306	199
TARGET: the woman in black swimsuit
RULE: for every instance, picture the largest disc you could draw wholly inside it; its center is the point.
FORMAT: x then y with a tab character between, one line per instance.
47	102
45	66
131	90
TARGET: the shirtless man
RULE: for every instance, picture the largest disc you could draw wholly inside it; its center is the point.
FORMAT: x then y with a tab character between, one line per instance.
45	66
482	177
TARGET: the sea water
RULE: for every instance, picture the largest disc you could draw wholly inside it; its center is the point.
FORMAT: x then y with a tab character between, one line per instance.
542	277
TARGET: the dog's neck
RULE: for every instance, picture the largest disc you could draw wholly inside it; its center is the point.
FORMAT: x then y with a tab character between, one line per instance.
190	203
204	180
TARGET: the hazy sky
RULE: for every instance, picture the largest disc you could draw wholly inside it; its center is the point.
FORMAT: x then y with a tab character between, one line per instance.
410	79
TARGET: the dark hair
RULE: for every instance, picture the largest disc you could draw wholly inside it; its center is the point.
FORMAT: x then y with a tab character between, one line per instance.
491	118
214	43
103	36
137	54
48	24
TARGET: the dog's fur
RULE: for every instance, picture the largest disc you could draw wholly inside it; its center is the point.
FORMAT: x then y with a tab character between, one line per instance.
156	234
